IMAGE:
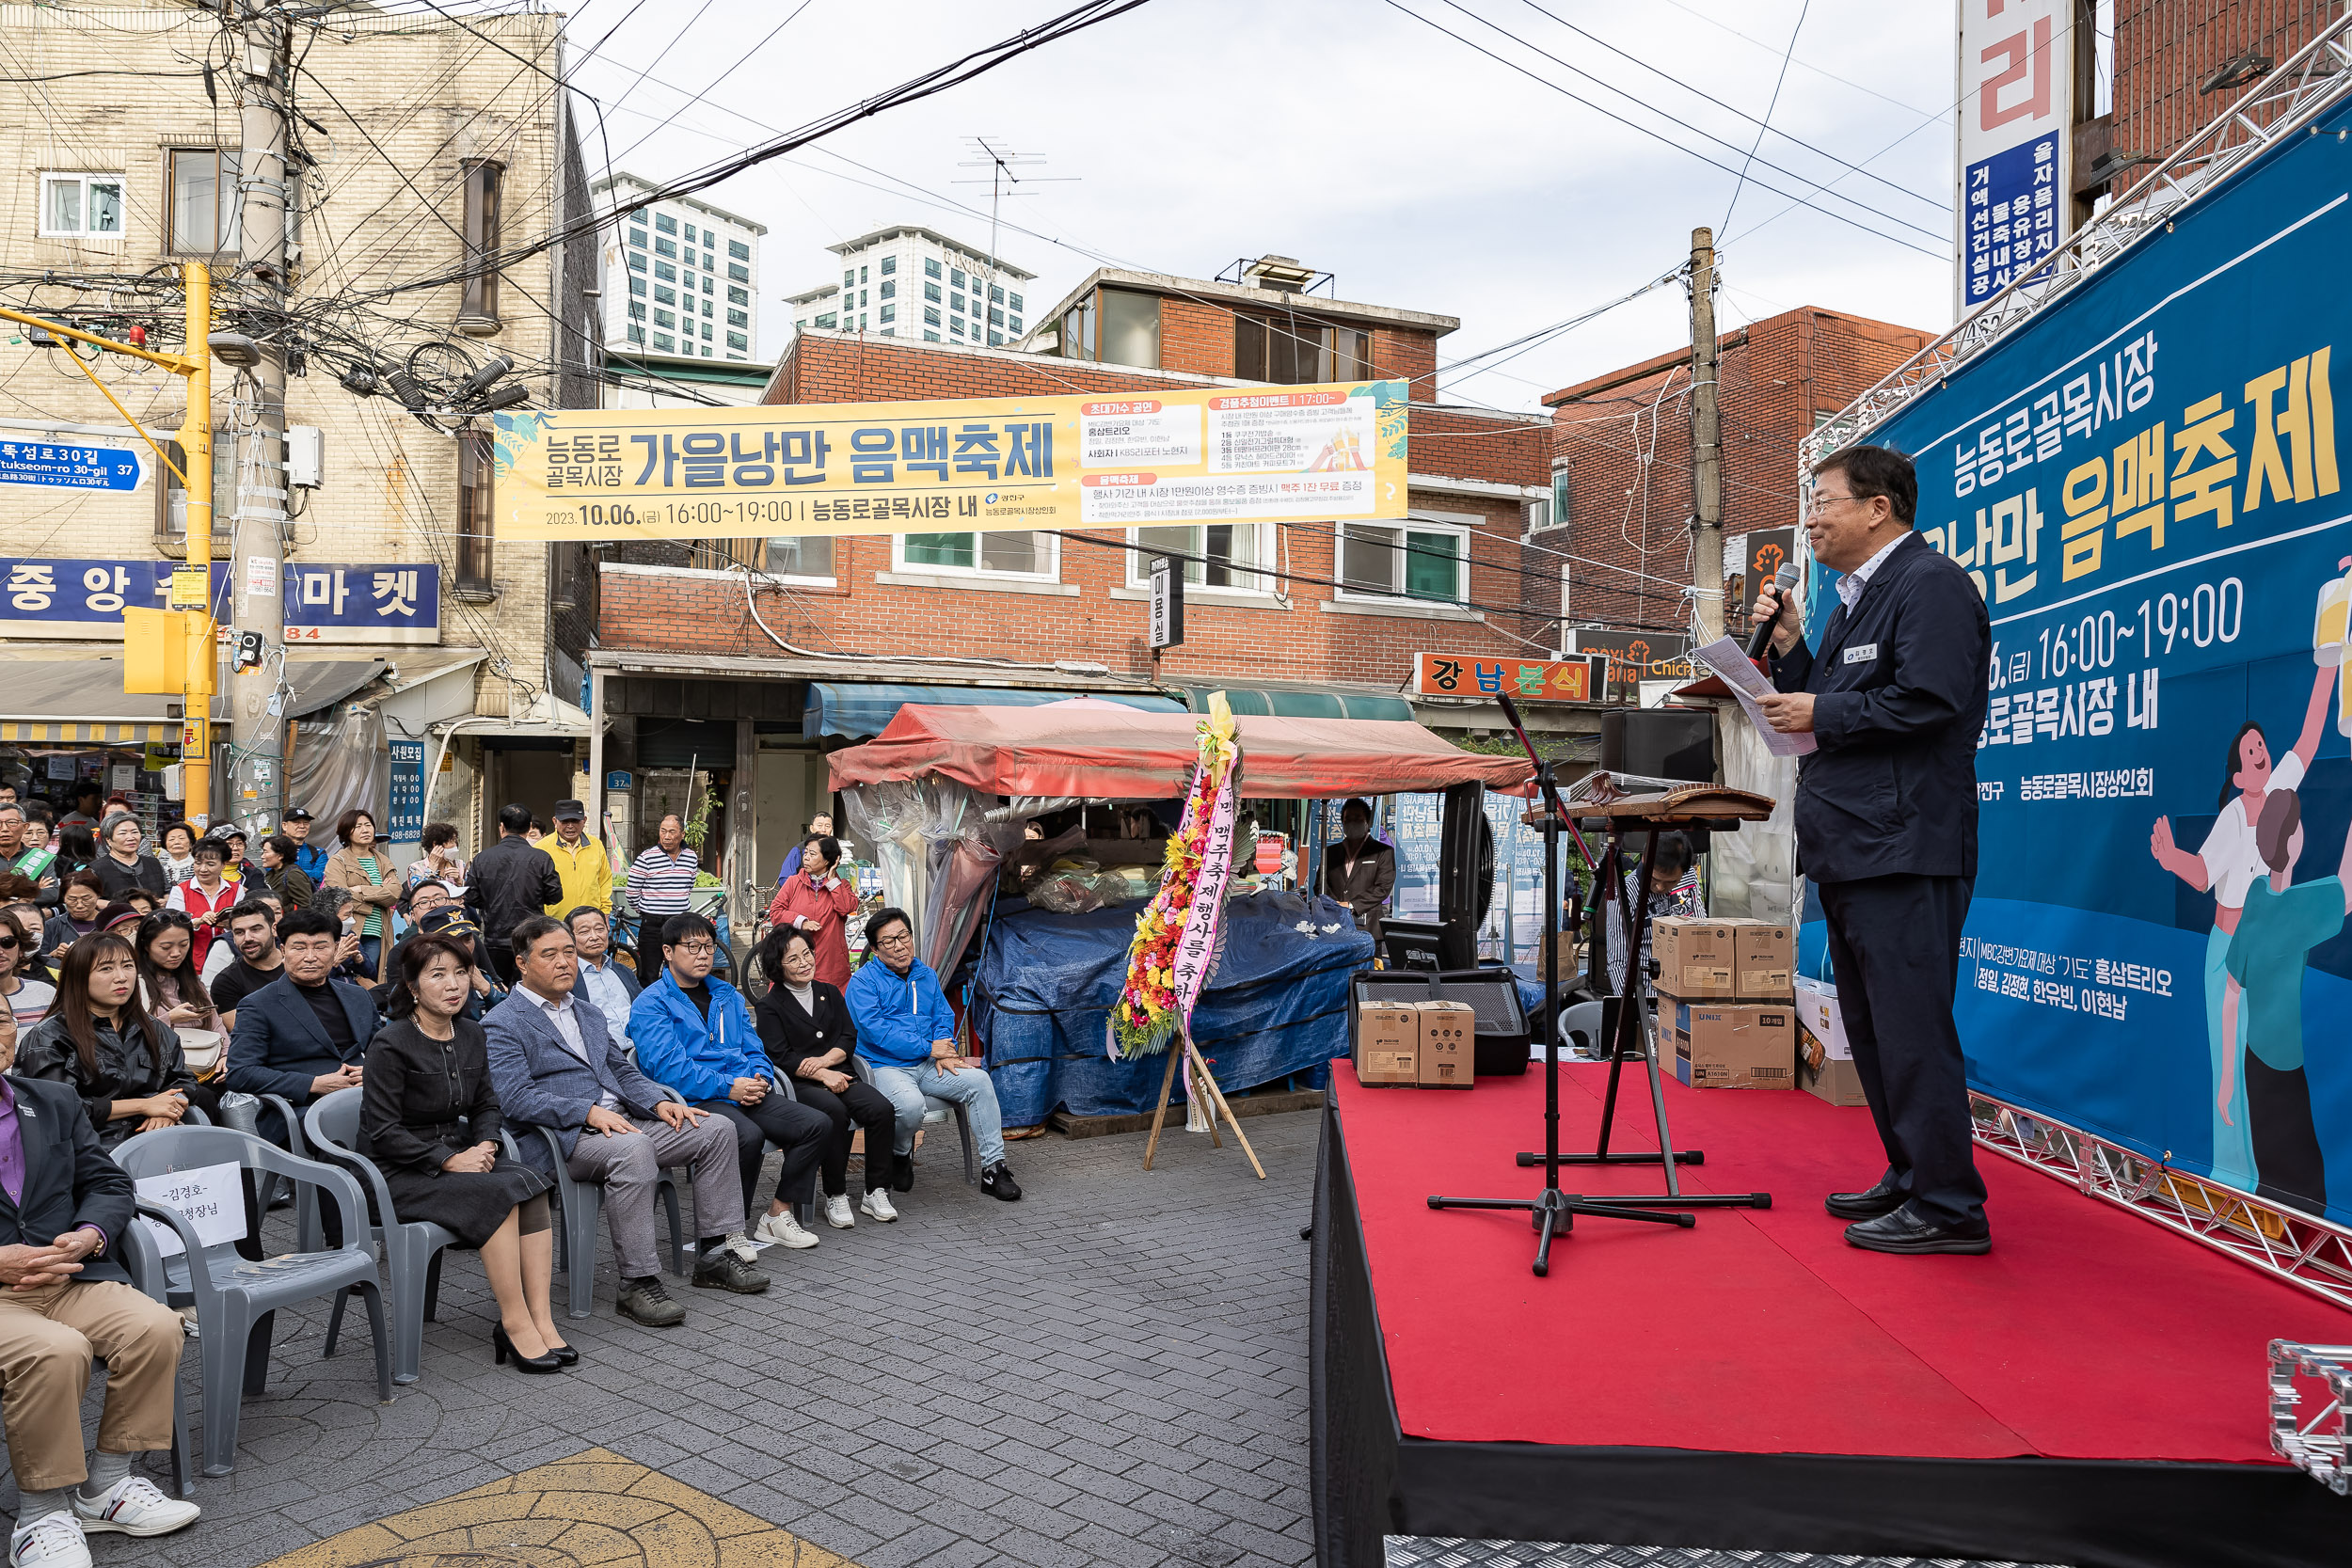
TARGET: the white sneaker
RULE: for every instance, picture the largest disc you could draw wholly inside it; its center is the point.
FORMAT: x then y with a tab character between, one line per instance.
740	1244
785	1230
837	1211
877	1206
134	1506
51	1541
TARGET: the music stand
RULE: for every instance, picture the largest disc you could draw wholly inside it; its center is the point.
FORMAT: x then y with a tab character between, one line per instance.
1553	1211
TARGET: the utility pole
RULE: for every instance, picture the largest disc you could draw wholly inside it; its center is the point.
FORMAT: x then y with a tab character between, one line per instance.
1707	441
257	780
195	444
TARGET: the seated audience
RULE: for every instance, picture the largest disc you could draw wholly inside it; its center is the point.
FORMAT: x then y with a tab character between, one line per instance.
907	1035
430	1120
169	987
23	994
79	899
304	1034
173	849
695	1034
253	935
805	1026
555	1066
68	1300
603	980
124	1063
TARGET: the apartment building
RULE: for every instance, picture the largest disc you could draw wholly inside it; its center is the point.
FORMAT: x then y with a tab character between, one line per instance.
418	150
908	281
681	275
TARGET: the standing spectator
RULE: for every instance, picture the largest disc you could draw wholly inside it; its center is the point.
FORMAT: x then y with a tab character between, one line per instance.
124	866
579	861
282	873
610	984
77	846
816	902
69	1301
239	866
820	826
83	799
78	903
175	846
905	1031
206	897
440	862
805	1026
374	885
309	856
695	1034
20	853
22	996
513	881
1359	870
661	877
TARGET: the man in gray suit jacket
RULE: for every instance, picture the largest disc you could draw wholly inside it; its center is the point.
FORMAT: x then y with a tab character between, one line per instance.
555	1066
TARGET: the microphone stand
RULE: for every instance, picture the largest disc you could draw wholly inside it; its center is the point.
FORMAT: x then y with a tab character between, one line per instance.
1553	1213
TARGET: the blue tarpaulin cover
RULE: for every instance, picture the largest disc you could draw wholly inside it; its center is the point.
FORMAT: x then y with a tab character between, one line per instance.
1277	1005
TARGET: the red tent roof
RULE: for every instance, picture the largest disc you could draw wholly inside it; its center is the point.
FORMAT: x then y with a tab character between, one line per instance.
1102	749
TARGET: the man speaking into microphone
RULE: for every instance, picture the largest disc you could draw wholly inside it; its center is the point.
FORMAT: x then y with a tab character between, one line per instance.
1887	830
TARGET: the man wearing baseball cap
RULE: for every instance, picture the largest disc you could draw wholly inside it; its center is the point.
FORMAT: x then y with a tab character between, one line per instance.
579	861
312	859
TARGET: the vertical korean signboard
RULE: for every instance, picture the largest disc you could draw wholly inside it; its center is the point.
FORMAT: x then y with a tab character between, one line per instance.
2015	120
2146	481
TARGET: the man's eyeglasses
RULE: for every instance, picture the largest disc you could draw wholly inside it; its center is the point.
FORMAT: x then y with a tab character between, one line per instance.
1813	508
896	939
698	949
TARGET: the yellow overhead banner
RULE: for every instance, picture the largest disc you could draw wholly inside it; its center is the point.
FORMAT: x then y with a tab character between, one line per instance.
1205	455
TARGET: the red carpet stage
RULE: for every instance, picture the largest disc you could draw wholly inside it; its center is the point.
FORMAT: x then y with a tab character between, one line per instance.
2090	1393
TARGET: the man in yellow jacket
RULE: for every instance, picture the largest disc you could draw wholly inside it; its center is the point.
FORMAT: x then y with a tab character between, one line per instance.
579	861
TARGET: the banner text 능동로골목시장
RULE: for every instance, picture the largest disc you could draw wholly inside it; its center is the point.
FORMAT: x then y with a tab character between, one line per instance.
1145	459
2144	482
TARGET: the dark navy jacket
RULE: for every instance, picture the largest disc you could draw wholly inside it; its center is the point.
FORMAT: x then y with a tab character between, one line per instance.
1899	685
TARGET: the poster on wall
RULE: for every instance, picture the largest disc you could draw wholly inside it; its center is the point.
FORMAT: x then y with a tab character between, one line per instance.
2145	482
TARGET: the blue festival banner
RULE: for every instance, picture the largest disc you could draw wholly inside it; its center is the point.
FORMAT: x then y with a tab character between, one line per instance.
2144	482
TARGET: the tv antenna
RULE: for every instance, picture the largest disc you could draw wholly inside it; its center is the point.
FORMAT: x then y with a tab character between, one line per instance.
1005	179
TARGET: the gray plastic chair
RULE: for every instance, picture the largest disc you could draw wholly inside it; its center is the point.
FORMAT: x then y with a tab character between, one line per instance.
582	1203
236	1301
246	1118
145	1261
935	1113
412	1248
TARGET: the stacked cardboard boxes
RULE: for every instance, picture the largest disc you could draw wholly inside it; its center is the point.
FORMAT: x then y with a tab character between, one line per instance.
1824	1061
1431	1044
1726	1006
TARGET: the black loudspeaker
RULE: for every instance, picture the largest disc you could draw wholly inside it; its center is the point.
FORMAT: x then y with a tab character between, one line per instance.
1501	1031
1660	743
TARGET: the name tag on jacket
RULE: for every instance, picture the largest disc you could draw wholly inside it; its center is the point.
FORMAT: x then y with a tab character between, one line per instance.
1863	655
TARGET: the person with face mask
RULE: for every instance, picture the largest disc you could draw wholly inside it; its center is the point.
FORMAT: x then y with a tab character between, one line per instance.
1359	870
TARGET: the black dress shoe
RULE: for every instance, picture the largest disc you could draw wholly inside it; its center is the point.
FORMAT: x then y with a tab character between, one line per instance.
566	1356
1904	1231
902	1174
502	1350
1885	1198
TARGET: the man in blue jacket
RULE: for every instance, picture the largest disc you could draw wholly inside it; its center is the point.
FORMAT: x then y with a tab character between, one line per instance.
907	1035
694	1034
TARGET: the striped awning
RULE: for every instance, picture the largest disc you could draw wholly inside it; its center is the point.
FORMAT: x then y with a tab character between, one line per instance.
89	732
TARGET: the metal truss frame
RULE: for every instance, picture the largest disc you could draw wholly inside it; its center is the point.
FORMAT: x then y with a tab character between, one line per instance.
2279	105
2284	1244
2323	1445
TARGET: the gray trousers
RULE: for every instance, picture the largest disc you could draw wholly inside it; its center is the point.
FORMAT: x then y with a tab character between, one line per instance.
629	1165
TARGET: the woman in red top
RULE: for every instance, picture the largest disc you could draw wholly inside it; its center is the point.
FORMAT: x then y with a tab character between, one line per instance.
817	900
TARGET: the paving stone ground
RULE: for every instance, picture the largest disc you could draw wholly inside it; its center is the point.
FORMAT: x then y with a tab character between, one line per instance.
1111	1371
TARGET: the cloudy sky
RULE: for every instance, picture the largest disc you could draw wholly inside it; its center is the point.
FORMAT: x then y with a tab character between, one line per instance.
1352	134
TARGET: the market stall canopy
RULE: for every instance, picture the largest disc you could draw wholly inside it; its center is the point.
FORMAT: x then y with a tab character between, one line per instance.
1094	749
861	708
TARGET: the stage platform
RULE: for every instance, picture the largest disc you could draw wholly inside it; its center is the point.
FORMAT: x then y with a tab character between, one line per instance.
2090	1393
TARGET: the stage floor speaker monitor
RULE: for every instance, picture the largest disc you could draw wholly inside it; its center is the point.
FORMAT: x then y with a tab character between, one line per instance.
1500	1030
1660	743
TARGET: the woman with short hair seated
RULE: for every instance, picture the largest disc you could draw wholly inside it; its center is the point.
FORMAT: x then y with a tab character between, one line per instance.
805	1026
429	1120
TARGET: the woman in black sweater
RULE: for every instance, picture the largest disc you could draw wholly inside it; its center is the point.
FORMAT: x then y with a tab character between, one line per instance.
429	1120
805	1026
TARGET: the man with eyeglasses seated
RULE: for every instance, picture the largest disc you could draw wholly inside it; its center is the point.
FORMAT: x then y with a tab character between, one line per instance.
907	1035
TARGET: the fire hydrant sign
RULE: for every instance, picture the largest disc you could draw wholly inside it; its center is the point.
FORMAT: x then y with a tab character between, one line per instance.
209	1197
1177	455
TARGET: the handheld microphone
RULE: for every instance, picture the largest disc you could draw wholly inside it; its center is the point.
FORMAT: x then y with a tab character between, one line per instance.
1762	641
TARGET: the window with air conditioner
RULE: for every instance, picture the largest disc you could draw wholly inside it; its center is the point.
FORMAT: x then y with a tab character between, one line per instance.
81	206
1416	559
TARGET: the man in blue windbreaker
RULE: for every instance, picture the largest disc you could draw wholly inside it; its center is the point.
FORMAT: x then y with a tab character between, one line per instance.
694	1035
907	1035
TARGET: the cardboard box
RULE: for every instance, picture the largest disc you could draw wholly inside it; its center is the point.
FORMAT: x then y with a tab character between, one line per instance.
1697	959
1763	958
1388	1043
1735	1045
1448	1051
1825	1067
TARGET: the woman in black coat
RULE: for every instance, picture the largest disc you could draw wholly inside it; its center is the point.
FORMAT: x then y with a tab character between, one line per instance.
805	1026
429	1120
122	865
125	1063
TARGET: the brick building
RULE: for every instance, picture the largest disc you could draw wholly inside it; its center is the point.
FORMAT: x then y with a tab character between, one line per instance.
410	129
1311	618
2180	63
1621	456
